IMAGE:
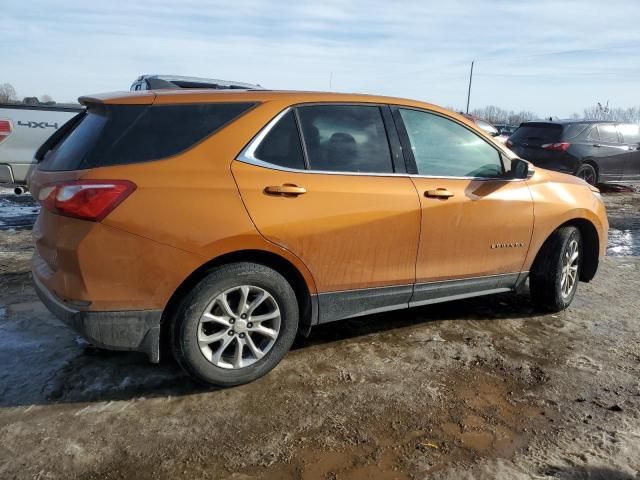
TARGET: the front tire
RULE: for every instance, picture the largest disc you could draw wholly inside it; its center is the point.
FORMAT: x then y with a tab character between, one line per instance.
235	325
554	276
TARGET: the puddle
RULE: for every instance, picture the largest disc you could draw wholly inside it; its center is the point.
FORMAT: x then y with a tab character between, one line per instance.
17	211
624	236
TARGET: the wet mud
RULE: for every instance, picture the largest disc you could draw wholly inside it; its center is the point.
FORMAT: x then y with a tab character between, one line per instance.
481	388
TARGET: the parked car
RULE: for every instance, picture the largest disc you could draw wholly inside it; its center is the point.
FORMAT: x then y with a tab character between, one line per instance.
506	129
487	127
161	82
483	124
596	151
23	128
225	223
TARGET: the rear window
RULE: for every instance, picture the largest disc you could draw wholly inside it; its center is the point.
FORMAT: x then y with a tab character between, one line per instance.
121	134
537	133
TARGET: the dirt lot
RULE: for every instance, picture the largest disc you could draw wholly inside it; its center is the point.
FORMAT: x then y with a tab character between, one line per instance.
483	388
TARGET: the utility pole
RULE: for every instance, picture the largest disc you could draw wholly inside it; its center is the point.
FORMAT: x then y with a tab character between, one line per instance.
469	91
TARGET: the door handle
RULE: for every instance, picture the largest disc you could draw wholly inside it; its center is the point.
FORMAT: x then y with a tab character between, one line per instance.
438	193
285	190
597	145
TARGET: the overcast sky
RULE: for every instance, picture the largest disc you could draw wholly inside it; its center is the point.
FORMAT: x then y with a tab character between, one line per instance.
552	57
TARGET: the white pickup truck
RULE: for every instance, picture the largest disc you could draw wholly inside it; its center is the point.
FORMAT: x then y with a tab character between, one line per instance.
23	128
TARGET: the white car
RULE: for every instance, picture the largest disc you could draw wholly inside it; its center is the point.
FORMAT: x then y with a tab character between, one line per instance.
23	128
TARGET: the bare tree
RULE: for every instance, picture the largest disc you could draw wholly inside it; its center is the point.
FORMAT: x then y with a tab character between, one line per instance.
618	114
7	93
46	99
495	114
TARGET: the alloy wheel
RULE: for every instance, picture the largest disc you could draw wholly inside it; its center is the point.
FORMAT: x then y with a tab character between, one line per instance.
239	327
569	268
588	175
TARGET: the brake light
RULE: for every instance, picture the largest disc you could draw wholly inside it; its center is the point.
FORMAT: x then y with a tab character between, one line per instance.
85	199
556	147
5	130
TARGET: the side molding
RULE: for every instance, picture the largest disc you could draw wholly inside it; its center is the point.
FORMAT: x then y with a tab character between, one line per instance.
334	306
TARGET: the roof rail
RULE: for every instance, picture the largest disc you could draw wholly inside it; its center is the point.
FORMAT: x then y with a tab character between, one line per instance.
161	82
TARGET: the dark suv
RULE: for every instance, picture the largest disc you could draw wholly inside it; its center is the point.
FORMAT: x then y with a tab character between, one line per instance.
596	151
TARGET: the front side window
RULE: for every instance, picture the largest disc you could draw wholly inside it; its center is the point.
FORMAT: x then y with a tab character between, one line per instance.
345	138
444	148
608	133
282	144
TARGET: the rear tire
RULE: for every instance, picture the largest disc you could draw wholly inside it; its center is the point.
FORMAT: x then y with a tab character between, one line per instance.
235	325
554	276
588	173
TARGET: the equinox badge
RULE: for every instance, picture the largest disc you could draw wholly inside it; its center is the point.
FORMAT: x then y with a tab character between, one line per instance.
507	245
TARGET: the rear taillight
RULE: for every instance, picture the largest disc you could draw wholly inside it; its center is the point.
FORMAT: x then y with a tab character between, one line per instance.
509	143
5	130
556	147
85	199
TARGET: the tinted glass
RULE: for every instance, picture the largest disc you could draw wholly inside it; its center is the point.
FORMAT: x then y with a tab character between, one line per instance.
608	133
282	144
345	138
442	147
537	133
630	133
120	134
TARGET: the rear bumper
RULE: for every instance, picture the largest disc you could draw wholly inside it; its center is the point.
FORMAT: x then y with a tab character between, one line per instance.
135	330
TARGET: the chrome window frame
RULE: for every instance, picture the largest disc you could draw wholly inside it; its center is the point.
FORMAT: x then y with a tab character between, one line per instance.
247	155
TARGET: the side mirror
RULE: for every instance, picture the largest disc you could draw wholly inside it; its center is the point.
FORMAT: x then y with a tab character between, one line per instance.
521	169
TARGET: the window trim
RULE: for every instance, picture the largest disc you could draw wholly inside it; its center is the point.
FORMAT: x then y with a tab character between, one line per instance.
247	154
412	166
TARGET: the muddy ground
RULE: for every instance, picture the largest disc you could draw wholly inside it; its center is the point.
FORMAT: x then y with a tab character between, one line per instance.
482	388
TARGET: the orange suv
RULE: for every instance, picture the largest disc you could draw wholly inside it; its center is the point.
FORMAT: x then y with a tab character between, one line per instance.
223	223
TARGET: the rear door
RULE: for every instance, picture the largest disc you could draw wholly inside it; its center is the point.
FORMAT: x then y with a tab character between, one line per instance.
631	137
608	151
337	202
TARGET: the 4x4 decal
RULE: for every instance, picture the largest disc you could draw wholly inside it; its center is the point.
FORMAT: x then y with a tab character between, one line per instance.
38	124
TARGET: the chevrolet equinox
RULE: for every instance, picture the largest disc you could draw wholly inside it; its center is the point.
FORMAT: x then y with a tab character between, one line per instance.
223	223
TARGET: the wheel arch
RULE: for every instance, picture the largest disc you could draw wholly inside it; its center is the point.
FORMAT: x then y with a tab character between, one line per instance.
307	303
590	246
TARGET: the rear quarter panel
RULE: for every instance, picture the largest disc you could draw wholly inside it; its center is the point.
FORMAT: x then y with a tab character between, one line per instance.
191	201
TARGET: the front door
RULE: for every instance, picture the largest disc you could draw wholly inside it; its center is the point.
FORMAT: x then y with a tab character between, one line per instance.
476	223
609	151
631	137
337	204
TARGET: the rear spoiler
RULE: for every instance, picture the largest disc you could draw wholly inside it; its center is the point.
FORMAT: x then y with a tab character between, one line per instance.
128	98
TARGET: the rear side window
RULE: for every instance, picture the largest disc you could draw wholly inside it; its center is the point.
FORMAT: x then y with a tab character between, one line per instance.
121	134
282	144
537	133
630	133
572	130
608	133
345	138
